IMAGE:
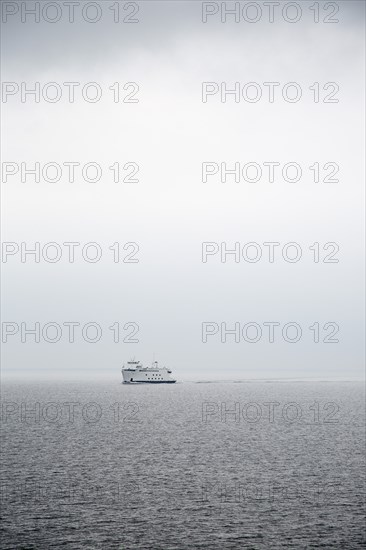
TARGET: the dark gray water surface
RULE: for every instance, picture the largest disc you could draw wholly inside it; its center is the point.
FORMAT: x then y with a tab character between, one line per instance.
165	467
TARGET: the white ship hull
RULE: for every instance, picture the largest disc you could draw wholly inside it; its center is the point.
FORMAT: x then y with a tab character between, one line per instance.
136	373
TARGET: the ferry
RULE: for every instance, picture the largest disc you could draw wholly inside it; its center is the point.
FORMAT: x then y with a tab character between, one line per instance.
136	373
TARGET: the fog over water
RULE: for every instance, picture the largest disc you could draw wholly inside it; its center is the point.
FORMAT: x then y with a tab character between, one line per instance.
170	211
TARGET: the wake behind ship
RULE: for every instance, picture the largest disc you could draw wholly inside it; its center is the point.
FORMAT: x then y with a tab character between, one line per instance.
136	373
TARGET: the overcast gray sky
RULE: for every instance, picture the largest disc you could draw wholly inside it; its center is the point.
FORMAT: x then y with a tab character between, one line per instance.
169	133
